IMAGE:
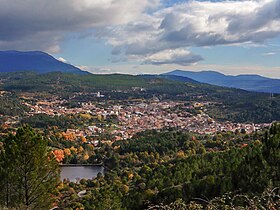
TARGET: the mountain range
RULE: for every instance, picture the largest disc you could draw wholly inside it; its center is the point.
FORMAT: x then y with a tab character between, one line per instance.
37	61
248	82
41	62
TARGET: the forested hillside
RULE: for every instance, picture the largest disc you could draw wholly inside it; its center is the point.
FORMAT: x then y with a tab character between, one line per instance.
161	169
228	103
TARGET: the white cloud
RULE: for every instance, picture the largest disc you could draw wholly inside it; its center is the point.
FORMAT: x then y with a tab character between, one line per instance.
269	54
42	24
195	23
62	60
137	30
176	56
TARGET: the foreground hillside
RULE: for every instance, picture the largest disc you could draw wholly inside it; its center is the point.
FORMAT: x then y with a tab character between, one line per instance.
164	169
173	170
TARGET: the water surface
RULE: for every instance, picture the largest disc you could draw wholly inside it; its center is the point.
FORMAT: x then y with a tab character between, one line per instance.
75	173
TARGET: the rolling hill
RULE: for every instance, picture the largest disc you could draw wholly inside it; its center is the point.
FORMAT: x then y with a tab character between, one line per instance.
170	77
246	82
37	61
231	104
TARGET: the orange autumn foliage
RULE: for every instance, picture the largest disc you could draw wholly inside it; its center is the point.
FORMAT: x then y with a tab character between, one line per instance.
59	155
83	139
69	136
91	146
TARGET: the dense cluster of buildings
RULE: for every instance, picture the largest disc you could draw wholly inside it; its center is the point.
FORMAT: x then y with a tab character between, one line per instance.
137	116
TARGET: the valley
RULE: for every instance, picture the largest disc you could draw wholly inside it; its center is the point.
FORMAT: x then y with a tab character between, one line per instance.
141	129
140	105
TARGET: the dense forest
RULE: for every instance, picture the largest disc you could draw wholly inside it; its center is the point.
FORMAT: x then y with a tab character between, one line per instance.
11	106
158	170
153	170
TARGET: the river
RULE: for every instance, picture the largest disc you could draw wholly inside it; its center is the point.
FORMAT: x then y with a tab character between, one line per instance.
75	173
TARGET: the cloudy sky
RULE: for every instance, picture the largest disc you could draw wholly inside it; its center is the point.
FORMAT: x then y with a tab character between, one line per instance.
148	36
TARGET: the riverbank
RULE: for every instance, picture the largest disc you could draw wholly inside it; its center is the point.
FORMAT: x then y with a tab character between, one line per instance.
78	165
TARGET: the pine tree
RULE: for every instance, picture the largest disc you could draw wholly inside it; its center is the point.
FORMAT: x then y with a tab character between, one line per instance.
271	151
29	173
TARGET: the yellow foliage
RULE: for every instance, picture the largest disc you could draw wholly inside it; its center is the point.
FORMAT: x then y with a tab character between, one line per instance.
86	156
86	116
124	188
60	186
80	149
67	152
180	154
73	150
99	117
130	175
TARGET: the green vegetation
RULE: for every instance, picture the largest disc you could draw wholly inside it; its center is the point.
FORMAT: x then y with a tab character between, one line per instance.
247	107
155	169
269	199
164	169
29	174
11	106
58	82
160	168
230	104
61	122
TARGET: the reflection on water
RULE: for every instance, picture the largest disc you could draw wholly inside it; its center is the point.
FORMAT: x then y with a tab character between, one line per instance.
75	173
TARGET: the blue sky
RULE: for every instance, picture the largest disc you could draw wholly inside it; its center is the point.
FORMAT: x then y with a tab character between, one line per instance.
148	36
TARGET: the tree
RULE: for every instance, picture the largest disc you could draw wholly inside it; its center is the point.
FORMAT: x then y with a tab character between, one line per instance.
271	150
28	170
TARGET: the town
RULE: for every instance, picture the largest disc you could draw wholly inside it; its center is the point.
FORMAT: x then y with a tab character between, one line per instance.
134	116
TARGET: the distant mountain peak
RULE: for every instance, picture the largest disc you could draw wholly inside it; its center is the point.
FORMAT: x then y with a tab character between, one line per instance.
251	82
38	61
195	72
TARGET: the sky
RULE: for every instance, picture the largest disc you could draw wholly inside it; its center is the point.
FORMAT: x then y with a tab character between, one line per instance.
148	36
